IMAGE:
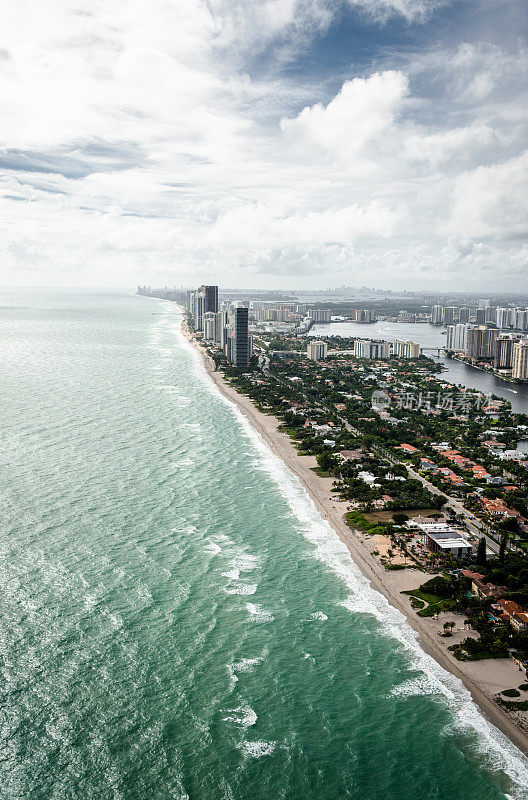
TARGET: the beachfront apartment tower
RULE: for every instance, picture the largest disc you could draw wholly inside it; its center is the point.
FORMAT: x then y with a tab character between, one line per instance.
240	339
211	298
199	310
209	325
220	327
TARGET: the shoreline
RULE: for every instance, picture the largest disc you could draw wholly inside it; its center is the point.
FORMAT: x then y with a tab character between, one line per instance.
476	676
490	372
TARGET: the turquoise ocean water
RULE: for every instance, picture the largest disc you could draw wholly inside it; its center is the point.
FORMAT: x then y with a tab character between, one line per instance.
176	620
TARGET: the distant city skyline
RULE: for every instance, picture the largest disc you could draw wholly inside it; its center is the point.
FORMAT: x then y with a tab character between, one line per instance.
280	142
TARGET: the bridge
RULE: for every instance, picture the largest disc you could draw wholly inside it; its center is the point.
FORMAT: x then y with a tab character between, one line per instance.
437	350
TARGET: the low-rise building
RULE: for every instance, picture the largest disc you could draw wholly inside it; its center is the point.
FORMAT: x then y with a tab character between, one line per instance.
480	588
441	538
513	613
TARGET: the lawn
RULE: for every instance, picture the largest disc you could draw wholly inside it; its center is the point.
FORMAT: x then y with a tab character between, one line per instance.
386	516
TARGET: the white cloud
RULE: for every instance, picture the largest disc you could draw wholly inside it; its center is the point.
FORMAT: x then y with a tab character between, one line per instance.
408	9
452	144
262	226
358	115
491	201
137	139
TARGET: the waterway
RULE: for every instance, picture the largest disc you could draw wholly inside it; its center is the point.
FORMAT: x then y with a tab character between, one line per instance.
431	336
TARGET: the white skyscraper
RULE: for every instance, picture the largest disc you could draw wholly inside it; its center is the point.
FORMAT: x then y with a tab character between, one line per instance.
364	348
403	349
521	319
317	351
520	360
437	315
504	317
456	337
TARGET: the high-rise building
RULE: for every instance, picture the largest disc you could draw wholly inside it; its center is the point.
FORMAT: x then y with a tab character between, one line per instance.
502	358
364	348
504	317
484	303
456	337
480	342
209	325
450	315
520	360
198	310
521	319
464	314
240	339
211	298
490	314
220	325
362	315
480	316
405	349
317	351
437	315
320	314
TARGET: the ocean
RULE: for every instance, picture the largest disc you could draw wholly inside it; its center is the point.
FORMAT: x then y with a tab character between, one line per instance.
177	620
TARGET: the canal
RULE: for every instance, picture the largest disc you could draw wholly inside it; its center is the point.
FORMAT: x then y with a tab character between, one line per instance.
431	336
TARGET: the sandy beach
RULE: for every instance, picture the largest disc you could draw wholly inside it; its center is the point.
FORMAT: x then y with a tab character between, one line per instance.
483	679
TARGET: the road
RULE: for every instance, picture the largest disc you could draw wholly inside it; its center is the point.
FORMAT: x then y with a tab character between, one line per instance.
474	524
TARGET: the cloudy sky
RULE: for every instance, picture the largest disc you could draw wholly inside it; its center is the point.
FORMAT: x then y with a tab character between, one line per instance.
265	143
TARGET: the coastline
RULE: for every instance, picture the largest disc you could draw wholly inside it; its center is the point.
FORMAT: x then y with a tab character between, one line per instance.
477	676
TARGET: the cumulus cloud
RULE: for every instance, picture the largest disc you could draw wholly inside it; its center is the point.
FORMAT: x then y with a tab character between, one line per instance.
358	115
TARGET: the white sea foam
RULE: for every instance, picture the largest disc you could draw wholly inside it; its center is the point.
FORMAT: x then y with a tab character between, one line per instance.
191	426
424	684
258	614
185	462
212	547
319	615
258	749
233	678
244	716
233	574
330	550
246	664
90	601
243	589
245	562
